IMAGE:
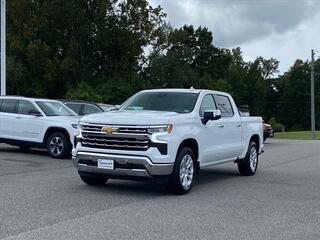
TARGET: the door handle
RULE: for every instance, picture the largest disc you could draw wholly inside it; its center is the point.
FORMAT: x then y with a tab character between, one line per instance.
239	125
18	117
220	126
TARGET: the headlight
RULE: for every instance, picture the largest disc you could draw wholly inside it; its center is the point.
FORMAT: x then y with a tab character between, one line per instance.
161	129
75	126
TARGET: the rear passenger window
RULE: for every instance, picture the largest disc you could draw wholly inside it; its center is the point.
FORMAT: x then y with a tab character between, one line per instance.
76	107
25	107
207	104
224	105
8	106
88	109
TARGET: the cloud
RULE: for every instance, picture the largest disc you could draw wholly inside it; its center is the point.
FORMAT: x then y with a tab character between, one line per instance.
283	29
234	22
289	46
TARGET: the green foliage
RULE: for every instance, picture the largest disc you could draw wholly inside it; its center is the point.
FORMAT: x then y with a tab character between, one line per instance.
64	43
277	127
300	135
106	50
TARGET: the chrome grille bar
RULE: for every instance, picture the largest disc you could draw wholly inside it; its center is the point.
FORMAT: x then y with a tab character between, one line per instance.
125	138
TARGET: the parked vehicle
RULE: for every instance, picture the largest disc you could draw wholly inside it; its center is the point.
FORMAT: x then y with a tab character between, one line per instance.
169	135
83	107
41	123
267	131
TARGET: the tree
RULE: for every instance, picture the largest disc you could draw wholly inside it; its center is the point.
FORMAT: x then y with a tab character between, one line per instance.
296	97
61	43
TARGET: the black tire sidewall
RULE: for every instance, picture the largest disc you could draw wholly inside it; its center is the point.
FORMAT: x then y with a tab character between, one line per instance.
174	183
244	165
66	148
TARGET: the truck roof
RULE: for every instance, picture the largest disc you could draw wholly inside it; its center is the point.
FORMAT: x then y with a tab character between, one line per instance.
185	90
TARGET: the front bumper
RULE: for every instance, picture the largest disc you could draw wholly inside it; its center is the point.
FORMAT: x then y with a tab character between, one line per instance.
125	165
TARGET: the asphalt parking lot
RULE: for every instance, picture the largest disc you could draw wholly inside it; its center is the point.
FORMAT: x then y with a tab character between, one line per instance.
43	198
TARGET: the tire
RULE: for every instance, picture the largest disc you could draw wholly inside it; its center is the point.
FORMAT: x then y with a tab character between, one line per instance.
184	172
24	147
248	166
93	181
58	146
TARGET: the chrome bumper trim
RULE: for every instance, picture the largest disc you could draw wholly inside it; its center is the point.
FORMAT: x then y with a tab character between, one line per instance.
151	169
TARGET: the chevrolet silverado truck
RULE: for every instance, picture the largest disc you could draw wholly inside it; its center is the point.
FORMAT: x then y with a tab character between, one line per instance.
167	134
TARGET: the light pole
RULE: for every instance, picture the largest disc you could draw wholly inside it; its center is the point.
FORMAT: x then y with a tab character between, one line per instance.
3	48
313	117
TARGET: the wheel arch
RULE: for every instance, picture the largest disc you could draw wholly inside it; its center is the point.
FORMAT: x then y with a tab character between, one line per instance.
51	130
256	139
194	146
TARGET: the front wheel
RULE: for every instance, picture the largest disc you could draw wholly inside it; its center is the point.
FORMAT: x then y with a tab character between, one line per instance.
248	166
182	178
57	145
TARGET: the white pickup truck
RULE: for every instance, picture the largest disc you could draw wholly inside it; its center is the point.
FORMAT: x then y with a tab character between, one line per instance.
167	134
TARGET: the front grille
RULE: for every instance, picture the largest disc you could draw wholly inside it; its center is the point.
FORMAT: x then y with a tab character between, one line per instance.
124	130
125	138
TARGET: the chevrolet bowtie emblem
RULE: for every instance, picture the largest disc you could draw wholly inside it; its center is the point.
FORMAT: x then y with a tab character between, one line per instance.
109	129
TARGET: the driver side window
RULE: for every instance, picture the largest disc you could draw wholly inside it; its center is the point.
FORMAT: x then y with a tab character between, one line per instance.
24	107
207	104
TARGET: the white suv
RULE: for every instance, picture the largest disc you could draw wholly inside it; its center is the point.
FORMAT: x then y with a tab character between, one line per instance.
41	123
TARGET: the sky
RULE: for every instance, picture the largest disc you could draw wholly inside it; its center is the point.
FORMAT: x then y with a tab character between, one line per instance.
283	29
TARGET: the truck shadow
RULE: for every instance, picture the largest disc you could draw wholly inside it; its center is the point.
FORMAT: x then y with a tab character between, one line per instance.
211	175
124	187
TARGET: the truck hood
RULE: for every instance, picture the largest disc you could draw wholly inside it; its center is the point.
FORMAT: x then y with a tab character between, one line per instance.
130	118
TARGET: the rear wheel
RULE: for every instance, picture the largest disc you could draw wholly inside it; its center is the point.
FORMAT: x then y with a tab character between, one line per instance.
57	145
183	176
93	180
248	166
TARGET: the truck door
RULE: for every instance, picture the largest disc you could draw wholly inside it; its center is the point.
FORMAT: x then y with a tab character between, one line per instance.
211	135
230	127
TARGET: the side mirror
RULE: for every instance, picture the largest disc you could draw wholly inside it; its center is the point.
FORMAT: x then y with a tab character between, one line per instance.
211	115
35	113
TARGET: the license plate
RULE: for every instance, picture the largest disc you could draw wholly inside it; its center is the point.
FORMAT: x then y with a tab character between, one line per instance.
106	164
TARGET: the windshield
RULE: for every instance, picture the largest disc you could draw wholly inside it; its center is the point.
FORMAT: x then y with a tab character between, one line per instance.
54	109
180	102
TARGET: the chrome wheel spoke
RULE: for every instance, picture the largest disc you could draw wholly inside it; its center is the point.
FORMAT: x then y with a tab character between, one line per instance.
56	145
186	171
253	159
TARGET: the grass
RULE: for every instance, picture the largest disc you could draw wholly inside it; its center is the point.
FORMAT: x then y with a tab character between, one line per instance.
302	135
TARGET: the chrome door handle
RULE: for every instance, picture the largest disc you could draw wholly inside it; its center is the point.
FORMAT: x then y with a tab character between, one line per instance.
239	125
220	126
